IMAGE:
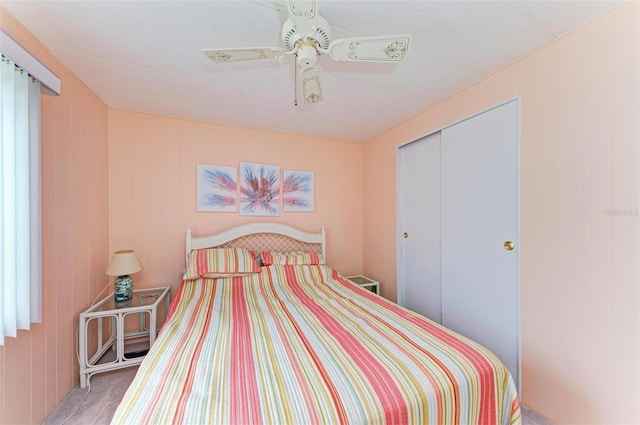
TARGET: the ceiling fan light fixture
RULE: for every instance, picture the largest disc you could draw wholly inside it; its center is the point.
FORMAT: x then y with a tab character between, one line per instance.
311	90
307	55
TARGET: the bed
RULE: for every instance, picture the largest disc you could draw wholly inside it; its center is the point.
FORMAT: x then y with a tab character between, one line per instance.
294	342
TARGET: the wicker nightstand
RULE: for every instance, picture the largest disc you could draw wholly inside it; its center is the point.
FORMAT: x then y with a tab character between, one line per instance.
145	304
365	282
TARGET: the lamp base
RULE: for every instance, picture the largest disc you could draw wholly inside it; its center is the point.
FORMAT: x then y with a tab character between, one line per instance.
124	288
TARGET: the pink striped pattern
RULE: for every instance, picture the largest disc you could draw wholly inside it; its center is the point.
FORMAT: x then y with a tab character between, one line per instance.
220	262
291	258
301	345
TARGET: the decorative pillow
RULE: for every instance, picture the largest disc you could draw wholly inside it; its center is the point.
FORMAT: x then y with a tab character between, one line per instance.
291	258
221	262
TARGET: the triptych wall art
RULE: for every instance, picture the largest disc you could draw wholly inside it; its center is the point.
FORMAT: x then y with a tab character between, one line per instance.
259	192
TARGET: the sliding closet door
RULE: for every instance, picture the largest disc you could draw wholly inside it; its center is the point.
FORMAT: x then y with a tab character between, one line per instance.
418	165
480	291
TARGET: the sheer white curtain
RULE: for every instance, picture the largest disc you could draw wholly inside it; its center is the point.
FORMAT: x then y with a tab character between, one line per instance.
20	217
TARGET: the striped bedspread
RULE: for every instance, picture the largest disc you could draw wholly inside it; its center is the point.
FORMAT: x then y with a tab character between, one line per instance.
301	345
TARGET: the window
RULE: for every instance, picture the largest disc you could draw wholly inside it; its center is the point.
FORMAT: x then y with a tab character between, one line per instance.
20	192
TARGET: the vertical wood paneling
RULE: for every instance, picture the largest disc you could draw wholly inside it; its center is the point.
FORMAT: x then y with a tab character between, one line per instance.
537	189
38	360
379	185
625	136
171	256
40	367
140	200
81	220
64	272
3	408
99	203
598	171
154	194
15	349
568	335
120	175
191	147
50	115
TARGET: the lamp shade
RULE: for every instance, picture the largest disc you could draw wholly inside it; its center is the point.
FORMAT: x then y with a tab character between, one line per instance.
123	263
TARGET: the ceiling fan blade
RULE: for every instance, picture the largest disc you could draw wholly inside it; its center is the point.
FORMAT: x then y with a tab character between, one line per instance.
304	14
244	54
310	79
384	48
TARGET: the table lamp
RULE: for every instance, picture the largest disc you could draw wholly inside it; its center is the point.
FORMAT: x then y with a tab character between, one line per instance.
123	263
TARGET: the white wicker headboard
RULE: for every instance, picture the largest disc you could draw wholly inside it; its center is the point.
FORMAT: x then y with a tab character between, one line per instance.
262	236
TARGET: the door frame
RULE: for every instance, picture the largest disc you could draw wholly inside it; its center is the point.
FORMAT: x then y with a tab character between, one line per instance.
399	224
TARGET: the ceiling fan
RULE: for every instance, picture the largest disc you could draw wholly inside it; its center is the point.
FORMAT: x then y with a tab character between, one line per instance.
306	35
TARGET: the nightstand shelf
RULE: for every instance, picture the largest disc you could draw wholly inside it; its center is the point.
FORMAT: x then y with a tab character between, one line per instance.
365	282
144	304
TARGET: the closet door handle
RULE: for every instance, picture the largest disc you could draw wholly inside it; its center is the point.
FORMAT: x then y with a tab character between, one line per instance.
405	235
508	245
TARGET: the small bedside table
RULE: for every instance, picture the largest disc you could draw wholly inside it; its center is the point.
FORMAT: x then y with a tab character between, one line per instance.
145	304
365	282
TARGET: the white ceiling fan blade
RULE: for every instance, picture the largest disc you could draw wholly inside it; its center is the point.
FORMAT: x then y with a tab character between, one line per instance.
384	48
304	14
310	79
244	54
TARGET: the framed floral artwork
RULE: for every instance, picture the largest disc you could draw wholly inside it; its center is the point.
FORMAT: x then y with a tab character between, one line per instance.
259	189
217	188
297	190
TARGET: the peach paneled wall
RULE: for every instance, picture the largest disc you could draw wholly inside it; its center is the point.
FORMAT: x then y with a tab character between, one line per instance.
38	368
152	188
579	214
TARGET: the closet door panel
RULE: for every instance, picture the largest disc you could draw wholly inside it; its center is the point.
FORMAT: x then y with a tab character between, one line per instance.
480	296
419	282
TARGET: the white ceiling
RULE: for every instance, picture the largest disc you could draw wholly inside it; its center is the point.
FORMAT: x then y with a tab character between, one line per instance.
146	56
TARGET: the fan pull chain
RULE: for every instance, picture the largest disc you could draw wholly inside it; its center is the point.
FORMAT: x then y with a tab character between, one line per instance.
295	81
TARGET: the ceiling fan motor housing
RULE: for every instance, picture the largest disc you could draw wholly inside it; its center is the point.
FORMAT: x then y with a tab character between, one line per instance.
291	36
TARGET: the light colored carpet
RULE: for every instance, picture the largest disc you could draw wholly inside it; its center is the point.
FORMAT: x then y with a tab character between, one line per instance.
107	389
531	417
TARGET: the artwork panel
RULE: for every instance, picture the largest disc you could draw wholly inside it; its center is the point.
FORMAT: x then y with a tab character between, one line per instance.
217	188
259	189
298	190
